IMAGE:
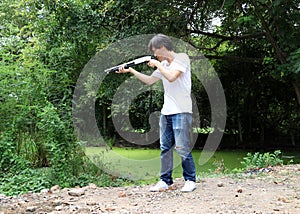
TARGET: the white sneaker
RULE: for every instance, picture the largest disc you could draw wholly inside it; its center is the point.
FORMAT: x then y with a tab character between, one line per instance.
189	186
160	186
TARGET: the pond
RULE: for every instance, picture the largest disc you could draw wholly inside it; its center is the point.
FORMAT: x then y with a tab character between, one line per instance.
145	163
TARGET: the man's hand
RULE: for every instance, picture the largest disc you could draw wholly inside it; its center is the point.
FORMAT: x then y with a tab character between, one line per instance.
124	70
153	63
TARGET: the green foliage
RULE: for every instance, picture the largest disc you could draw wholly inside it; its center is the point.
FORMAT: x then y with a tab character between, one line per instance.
67	170
262	160
291	69
42	47
24	181
10	162
247	21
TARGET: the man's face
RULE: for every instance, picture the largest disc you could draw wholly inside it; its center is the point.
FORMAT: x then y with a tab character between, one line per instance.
160	53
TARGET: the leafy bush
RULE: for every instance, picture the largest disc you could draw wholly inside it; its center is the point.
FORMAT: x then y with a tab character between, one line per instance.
67	170
10	162
37	72
262	160
24	181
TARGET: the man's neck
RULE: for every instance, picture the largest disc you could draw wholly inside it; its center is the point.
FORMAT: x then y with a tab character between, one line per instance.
170	56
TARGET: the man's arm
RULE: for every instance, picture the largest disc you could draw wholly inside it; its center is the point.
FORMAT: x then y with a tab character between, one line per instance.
148	80
170	75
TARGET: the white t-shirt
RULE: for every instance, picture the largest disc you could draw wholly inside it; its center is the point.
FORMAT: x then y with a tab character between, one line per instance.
177	94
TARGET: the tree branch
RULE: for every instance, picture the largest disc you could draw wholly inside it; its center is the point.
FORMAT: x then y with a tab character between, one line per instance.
231	58
279	53
229	38
208	49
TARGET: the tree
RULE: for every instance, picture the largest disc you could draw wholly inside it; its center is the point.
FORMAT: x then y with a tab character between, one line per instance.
59	38
274	24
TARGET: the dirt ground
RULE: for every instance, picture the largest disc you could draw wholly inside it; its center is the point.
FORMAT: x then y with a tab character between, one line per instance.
275	191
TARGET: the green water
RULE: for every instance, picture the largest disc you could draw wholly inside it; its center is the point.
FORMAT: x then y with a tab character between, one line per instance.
145	163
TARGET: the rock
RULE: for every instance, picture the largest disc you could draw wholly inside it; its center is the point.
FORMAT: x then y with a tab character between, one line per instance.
91	203
71	200
22	203
76	192
172	187
220	184
57	202
55	188
65	189
31	209
110	209
122	194
44	191
162	190
240	190
58	208
283	199
82	210
92	186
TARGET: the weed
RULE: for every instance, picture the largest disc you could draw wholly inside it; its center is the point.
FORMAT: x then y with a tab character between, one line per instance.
262	160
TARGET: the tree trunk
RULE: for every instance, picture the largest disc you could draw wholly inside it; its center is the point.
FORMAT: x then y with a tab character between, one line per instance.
297	89
262	134
240	131
293	139
104	118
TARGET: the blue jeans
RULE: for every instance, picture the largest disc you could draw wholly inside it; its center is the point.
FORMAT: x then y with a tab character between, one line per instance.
175	133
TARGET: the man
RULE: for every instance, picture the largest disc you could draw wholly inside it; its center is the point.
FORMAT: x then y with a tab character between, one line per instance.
176	115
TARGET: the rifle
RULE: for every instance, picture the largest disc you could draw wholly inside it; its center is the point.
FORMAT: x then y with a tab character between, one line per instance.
130	63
